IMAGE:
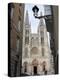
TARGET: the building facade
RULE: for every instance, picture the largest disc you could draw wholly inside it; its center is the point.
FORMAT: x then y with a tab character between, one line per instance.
52	27
36	53
15	30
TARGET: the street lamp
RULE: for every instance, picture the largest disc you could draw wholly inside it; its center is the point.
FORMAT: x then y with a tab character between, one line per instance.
35	10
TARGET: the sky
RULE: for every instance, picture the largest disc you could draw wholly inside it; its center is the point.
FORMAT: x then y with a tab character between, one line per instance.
34	22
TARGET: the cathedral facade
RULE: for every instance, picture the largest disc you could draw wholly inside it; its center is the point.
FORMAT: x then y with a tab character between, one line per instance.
36	54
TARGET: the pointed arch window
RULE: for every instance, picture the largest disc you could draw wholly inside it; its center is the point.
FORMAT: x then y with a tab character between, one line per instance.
26	40
26	53
26	32
42	40
42	33
42	51
42	37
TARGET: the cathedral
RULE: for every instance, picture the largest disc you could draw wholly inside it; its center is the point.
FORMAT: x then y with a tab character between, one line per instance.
36	53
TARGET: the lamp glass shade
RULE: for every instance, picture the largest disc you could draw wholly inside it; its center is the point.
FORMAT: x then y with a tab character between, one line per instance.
35	10
35	13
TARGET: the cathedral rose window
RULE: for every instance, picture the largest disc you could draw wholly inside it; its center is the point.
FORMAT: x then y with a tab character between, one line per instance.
34	50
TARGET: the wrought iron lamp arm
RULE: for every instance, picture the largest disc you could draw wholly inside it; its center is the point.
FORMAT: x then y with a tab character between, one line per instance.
45	16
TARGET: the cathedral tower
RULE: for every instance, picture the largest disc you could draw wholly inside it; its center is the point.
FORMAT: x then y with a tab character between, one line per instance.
26	41
43	37
36	56
44	43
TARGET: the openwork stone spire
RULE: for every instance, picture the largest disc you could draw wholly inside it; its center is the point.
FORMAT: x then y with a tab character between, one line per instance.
27	18
41	23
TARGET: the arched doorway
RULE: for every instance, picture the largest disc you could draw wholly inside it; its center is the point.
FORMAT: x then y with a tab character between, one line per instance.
35	66
44	68
25	67
35	70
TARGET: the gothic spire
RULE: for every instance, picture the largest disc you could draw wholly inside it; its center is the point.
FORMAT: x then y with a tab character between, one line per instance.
27	18
41	23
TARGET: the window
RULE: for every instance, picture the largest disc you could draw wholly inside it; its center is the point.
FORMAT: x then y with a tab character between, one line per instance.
20	4
42	37
26	40
27	32
42	51
41	22
32	39
42	40
17	44
42	33
26	52
19	23
34	51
